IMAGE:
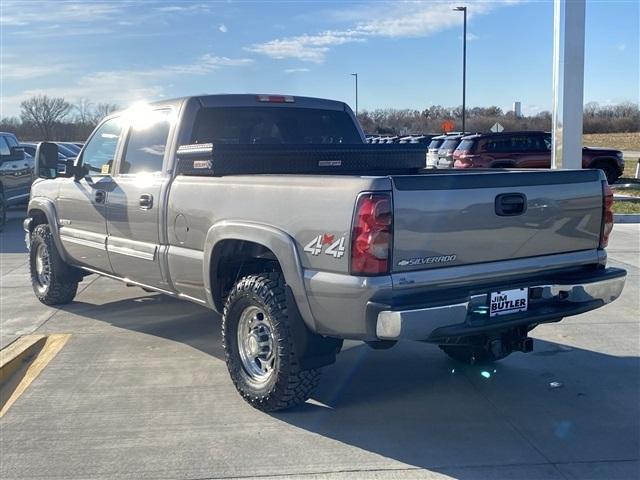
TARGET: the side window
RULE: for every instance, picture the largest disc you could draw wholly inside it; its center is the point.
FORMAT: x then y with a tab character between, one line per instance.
99	152
499	145
146	143
4	148
520	144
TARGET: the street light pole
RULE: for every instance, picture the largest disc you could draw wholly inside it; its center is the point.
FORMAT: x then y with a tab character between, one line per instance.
464	64
356	77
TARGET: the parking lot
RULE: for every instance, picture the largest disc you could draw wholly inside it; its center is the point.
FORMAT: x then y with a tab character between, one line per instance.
141	391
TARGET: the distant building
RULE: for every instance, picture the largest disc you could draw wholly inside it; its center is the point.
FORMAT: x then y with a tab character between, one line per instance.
517	109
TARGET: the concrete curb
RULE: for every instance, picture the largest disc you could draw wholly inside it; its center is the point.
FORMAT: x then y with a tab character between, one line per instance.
626	218
22	361
17	353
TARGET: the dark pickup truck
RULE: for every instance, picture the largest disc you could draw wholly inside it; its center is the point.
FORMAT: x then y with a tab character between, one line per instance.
16	174
527	150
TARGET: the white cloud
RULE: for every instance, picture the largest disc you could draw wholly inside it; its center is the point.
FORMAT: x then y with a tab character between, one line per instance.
198	7
223	28
38	12
621	47
205	64
124	87
296	70
309	48
409	19
11	71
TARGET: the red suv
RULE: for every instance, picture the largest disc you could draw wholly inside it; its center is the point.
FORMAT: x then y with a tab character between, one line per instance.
528	150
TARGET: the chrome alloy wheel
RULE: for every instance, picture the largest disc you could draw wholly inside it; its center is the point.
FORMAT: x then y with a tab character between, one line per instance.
256	344
43	267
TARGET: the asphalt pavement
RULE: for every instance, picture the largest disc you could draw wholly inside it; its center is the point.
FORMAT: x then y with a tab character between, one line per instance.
141	391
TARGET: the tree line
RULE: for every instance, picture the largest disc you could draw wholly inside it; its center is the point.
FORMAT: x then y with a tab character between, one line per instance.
624	117
53	118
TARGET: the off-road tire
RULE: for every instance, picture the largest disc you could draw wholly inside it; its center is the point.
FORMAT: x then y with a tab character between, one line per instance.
472	355
3	212
289	385
63	279
609	170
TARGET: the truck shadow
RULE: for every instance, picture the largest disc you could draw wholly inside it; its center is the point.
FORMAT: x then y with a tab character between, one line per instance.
415	406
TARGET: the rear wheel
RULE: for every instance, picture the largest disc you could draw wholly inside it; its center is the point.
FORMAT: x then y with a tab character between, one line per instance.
609	170
53	281
259	347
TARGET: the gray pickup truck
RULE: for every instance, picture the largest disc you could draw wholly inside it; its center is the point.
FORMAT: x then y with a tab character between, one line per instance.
272	211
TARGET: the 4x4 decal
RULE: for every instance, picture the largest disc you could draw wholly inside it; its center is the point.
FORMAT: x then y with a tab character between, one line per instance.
335	247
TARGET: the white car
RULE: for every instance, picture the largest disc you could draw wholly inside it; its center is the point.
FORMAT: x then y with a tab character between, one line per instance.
432	152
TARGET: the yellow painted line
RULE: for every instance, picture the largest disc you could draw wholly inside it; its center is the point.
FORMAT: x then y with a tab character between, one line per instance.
21	378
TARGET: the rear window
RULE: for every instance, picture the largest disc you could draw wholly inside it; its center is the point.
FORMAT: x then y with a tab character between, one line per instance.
466	145
274	126
435	143
450	144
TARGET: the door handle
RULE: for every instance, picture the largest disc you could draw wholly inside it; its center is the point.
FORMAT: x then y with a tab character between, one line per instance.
510	204
146	201
100	196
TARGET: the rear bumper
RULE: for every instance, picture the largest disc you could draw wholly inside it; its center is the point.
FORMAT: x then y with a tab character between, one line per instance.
548	302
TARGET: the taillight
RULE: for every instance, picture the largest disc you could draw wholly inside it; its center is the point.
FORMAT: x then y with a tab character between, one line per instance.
371	235
607	214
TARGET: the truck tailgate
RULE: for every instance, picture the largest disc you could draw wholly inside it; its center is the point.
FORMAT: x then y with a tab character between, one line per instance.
442	220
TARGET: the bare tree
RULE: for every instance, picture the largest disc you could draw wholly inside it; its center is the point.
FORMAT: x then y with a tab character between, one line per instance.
101	110
84	112
44	112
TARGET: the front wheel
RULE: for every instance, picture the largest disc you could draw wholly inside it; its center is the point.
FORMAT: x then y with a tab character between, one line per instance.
53	281
259	348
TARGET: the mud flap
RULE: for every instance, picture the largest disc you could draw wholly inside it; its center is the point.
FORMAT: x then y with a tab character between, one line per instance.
314	351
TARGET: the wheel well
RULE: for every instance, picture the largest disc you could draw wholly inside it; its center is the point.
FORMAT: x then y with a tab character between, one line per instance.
233	259
39	217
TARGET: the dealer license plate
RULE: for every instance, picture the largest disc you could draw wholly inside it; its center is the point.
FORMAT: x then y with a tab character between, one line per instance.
508	301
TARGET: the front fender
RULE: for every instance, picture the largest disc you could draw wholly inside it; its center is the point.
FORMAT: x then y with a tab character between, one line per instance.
278	241
46	206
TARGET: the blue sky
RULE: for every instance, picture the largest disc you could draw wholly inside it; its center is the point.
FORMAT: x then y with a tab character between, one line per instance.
407	53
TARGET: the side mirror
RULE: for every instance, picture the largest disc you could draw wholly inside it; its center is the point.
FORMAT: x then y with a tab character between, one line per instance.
46	160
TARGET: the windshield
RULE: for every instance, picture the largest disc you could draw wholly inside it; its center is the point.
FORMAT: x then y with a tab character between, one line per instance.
435	143
274	126
465	145
450	144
